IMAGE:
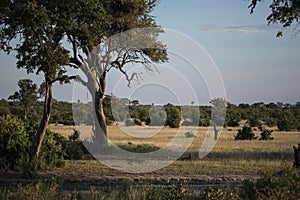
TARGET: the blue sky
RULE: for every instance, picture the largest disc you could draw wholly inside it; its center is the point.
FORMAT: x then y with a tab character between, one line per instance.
254	64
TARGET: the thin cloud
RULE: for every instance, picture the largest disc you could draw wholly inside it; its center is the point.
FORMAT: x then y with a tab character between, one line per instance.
237	29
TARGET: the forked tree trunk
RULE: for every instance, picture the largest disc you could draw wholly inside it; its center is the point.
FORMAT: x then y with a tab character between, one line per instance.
97	90
39	137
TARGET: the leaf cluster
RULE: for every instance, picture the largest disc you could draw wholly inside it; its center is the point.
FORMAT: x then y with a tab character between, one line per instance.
284	12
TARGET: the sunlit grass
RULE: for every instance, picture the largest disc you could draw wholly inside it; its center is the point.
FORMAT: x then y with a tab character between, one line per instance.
227	158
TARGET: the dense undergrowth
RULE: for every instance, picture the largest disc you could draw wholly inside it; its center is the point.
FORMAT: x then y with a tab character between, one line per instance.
283	183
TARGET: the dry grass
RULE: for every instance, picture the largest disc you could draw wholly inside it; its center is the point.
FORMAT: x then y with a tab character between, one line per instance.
228	157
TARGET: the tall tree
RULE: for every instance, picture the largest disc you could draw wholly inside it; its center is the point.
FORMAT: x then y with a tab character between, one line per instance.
27	95
27	28
114	17
49	36
284	12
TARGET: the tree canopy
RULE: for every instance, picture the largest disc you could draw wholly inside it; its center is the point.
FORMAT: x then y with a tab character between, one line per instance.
51	36
284	12
27	95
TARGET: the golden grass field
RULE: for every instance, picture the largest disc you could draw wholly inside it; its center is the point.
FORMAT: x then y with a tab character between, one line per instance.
229	158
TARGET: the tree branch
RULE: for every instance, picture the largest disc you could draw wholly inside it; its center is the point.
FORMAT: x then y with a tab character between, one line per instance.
63	79
80	80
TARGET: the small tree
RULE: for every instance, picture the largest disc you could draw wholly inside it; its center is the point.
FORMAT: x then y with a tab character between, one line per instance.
265	134
218	111
27	95
173	116
245	134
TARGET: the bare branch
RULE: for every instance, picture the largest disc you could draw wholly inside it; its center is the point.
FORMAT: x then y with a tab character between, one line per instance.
88	52
80	80
85	66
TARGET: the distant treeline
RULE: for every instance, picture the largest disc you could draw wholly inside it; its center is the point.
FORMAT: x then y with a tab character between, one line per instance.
285	116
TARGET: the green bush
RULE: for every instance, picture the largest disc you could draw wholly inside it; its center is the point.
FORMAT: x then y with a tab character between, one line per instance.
13	142
52	153
173	116
74	147
265	134
285	124
283	183
254	122
124	190
233	123
213	193
40	190
140	148
189	134
245	134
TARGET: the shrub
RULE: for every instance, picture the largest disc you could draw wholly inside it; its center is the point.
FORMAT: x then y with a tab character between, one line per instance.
189	134
13	142
265	134
233	123
52	153
177	190
213	193
173	116
245	134
74	147
254	122
40	190
157	116
277	184
285	124
140	148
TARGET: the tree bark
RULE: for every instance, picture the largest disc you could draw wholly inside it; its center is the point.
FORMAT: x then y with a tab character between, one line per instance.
100	121
97	89
39	137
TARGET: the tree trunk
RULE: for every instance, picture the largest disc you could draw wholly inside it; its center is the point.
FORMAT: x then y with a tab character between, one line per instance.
100	121
97	90
39	137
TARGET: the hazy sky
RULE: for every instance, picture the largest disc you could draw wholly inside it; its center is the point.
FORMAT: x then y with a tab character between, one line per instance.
254	65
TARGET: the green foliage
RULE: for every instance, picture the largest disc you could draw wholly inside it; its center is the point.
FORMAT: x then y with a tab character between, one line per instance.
285	116
245	134
74	147
284	12
254	122
177	190
265	134
139	148
52	153
233	123
286	124
173	116
282	184
212	193
13	142
27	95
158	116
124	190
40	190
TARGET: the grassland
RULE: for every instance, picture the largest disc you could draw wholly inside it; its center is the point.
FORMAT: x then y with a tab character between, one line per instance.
228	159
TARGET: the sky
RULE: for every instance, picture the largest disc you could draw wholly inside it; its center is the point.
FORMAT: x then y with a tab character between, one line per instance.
253	64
